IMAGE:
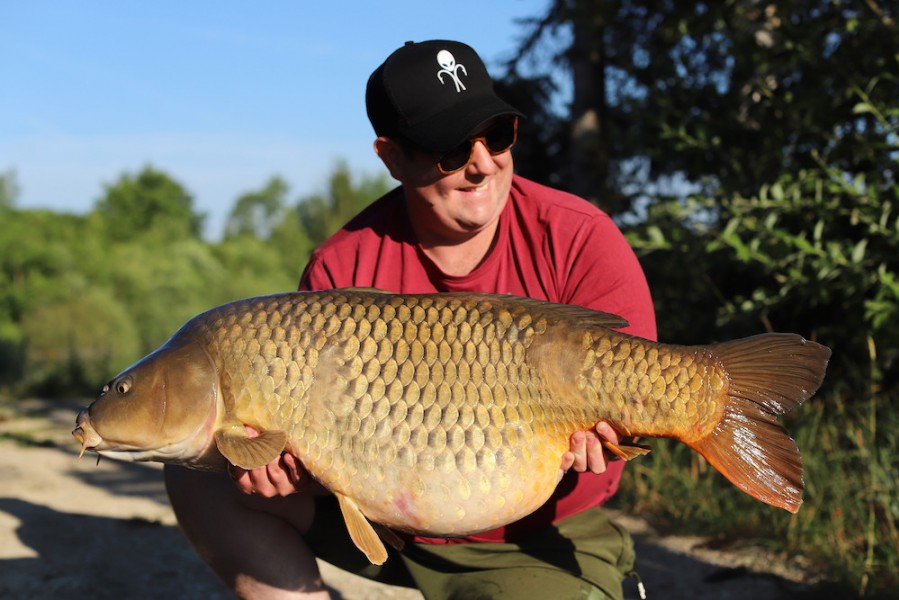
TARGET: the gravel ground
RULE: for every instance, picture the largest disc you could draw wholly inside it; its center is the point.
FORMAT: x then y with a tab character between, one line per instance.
73	529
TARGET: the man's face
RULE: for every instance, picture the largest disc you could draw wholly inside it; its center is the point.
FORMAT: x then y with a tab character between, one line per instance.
452	208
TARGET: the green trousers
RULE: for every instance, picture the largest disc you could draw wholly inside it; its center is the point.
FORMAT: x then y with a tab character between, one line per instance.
583	556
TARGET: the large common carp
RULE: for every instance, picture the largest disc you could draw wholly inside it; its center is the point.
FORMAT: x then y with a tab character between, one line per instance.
446	414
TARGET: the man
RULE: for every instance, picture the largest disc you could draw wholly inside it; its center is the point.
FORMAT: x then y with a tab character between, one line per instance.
460	221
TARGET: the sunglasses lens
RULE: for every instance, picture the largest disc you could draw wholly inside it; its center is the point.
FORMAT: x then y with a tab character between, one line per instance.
498	139
501	137
456	158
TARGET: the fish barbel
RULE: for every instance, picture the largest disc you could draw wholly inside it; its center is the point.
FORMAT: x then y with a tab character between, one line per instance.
446	414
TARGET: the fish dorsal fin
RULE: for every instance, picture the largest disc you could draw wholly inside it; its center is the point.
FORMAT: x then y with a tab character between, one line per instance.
361	531
580	316
595	318
583	317
249	452
370	290
577	316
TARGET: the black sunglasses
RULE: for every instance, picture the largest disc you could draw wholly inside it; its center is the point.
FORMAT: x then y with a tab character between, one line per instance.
499	138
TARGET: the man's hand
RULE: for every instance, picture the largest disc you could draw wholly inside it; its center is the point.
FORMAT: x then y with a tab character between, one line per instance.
281	477
586	451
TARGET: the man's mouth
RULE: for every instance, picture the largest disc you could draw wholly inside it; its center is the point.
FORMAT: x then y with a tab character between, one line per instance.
478	188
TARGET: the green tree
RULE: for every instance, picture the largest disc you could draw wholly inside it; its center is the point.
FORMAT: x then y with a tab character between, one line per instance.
253	267
43	257
322	214
736	99
77	342
9	189
258	213
726	95
149	200
164	282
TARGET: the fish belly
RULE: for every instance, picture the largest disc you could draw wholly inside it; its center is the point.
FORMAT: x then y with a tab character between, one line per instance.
452	494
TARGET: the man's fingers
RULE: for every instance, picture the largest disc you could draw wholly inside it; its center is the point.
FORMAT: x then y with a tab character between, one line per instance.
596	460
277	478
567	461
579	450
586	451
261	482
241	478
607	432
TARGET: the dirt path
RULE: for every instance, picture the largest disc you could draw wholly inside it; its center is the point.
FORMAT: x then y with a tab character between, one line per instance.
72	529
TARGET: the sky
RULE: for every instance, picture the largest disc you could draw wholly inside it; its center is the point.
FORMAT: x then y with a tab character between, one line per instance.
219	95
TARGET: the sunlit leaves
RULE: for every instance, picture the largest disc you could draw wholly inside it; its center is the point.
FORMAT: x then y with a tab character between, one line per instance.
151	199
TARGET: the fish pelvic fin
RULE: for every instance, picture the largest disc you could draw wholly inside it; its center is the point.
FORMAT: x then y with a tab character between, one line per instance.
249	452
361	531
769	375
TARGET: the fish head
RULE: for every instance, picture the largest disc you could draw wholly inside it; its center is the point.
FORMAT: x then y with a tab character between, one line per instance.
162	408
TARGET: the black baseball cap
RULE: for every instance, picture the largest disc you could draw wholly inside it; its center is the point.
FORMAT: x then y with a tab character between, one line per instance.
433	94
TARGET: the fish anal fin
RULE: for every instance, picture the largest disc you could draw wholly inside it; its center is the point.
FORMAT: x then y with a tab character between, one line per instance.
626	451
249	452
388	535
361	531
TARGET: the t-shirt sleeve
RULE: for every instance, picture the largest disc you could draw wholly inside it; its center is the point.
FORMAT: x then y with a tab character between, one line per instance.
316	276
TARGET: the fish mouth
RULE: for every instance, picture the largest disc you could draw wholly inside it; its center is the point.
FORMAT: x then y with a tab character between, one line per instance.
85	433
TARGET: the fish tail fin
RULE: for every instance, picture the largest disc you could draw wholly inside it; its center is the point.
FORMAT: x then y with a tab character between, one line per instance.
769	375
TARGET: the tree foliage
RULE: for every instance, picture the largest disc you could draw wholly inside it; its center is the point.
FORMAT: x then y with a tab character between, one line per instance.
727	95
9	189
322	214
780	118
258	213
81	297
149	200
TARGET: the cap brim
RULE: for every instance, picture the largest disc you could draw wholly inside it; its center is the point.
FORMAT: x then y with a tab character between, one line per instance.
445	131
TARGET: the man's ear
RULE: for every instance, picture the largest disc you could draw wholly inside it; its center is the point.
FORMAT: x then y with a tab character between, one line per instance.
392	155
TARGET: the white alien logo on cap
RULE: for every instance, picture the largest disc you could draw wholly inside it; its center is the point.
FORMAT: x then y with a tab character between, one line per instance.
446	60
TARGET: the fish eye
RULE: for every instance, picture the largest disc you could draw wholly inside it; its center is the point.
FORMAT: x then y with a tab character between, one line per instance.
105	390
123	386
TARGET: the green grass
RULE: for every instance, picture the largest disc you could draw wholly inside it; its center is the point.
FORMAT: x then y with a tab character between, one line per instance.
847	525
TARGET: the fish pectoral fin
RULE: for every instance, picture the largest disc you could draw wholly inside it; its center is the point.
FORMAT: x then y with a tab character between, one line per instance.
626	451
249	452
361	531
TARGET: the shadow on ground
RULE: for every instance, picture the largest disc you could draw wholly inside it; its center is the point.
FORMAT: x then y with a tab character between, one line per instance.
86	556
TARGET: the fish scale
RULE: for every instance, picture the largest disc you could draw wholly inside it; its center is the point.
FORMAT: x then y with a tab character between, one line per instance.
447	414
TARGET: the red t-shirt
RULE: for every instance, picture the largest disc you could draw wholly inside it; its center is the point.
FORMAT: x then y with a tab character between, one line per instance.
551	246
